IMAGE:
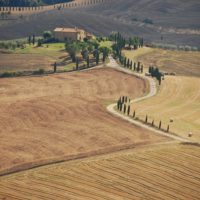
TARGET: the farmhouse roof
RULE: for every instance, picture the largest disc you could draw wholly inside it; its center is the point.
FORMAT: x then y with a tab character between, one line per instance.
68	30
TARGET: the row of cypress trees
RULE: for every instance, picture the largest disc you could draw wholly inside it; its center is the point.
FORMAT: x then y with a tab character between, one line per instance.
129	64
123	105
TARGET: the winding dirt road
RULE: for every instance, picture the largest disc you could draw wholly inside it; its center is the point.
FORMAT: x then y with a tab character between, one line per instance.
152	92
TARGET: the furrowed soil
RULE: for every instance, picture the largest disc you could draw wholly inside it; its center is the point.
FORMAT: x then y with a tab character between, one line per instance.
46	119
169	171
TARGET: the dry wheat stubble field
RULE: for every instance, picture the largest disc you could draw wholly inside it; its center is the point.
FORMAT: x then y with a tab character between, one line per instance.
59	117
178	97
61	114
164	172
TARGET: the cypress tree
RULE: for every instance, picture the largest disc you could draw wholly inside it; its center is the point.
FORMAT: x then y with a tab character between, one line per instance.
134	66
146	120
118	105
129	108
77	63
126	99
168	128
88	62
152	123
128	63
125	62
124	108
138	67
29	40
33	40
131	64
134	114
160	125
121	106
55	67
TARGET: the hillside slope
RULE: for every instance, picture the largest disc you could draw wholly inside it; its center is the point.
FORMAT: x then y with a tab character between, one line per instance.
178	24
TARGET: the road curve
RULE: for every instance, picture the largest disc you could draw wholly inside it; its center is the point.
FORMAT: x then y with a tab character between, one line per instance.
152	91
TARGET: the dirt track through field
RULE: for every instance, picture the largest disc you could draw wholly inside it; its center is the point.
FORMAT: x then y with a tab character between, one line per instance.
49	118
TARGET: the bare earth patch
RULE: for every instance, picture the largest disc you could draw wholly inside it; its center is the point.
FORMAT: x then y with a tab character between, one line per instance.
25	62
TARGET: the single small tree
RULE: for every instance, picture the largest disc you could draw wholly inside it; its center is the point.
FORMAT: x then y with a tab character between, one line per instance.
125	62
88	62
55	67
128	63
146	119
152	123
47	35
168	128
29	40
134	114
124	108
128	111
33	40
77	63
160	124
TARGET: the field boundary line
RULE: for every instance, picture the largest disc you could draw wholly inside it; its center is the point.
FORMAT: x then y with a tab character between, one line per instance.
152	92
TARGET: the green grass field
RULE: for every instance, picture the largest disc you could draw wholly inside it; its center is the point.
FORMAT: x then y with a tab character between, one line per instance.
52	49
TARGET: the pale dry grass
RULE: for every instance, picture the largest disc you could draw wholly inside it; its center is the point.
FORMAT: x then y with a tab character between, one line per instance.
162	172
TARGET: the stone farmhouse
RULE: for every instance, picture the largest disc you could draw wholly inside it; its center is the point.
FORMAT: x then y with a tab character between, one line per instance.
63	34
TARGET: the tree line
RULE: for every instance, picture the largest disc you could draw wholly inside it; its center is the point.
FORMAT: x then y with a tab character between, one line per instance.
124	106
27	3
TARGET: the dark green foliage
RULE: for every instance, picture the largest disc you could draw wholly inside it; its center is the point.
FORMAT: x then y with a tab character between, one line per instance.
40	41
155	73
47	35
105	51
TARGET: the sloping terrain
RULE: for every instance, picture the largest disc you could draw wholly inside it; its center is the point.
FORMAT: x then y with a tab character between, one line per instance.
162	172
59	117
178	98
178	24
